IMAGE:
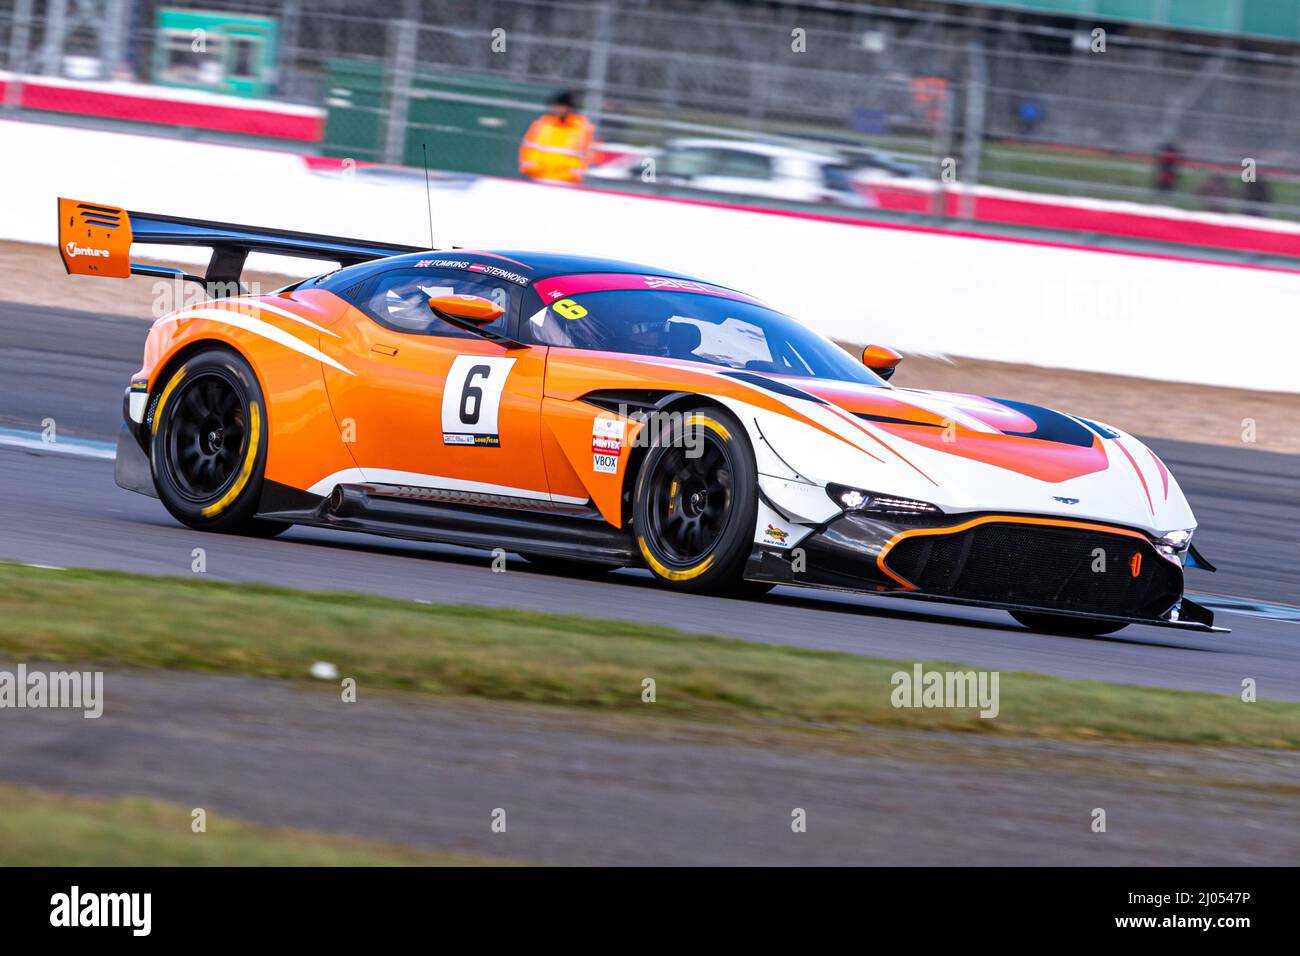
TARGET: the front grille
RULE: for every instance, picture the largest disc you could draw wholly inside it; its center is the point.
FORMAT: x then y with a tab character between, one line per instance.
1047	566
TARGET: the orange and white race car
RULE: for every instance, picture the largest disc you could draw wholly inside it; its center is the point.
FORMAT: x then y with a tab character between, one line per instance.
597	414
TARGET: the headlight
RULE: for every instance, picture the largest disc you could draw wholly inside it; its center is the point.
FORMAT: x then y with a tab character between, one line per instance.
858	499
1175	543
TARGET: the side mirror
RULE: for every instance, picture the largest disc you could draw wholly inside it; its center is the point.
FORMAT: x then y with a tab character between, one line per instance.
471	308
881	359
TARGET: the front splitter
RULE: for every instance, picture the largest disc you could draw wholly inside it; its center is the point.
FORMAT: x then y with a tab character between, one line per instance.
771	567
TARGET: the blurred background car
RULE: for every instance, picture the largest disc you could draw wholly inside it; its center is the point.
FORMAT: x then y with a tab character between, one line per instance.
761	170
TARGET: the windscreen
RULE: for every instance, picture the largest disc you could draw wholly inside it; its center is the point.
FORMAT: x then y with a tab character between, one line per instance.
695	327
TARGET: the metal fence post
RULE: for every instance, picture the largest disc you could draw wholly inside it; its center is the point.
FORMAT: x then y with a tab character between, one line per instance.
598	63
973	133
56	16
290	25
113	38
402	42
942	146
19	39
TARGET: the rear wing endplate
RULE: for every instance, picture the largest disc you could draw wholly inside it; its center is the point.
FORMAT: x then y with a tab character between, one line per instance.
95	240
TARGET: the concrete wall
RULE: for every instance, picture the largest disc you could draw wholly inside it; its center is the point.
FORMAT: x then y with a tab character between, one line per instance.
913	289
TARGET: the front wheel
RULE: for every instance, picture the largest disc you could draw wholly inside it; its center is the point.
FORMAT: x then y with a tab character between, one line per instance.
695	503
1062	624
208	439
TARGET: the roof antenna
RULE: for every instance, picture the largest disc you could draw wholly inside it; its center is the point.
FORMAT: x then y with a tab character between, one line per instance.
424	151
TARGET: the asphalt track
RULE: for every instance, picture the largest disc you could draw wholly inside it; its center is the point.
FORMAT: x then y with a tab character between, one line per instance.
575	791
63	509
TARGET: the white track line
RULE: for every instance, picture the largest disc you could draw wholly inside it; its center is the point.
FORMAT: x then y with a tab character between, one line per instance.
33	441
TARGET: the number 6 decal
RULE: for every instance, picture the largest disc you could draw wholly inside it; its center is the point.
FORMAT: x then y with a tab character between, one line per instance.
471	398
472	393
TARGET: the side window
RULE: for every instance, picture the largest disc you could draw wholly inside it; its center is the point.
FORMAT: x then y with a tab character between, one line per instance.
743	165
691	161
544	327
399	300
838	178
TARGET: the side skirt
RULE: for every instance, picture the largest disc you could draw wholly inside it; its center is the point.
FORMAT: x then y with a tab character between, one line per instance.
426	514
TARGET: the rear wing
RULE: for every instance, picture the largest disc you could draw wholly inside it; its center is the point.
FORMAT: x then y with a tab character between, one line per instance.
95	240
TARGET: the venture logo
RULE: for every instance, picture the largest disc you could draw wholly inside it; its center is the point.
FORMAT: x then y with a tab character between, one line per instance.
75	250
103	909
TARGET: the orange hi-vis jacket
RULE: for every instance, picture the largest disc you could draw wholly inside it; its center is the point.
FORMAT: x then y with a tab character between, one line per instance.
556	150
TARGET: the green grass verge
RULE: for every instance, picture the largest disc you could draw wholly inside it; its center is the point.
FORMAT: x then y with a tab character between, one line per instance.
464	651
41	828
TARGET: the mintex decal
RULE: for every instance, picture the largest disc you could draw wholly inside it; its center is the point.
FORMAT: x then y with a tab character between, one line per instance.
471	398
606	444
560	287
607	435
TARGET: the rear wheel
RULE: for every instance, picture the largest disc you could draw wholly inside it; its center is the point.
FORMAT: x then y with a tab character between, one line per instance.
695	503
1061	624
208	445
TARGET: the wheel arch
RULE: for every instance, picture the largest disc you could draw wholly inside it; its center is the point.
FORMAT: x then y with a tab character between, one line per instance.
175	360
722	570
304	440
667	402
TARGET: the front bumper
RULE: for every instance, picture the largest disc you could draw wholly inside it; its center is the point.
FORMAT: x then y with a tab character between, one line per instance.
1012	562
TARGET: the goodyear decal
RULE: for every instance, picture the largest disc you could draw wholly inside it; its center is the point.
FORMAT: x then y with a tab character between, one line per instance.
481	441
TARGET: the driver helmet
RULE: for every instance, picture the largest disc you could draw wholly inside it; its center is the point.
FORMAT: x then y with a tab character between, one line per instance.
651	338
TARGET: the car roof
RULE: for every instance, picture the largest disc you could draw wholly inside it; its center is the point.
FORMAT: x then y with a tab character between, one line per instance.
532	266
538	265
756	147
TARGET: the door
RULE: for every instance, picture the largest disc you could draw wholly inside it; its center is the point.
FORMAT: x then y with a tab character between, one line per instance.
426	405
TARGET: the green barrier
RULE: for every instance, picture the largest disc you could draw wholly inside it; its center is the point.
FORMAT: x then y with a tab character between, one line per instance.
355	110
468	124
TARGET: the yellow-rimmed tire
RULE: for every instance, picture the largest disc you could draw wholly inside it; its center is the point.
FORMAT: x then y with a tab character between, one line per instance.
207	444
695	502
